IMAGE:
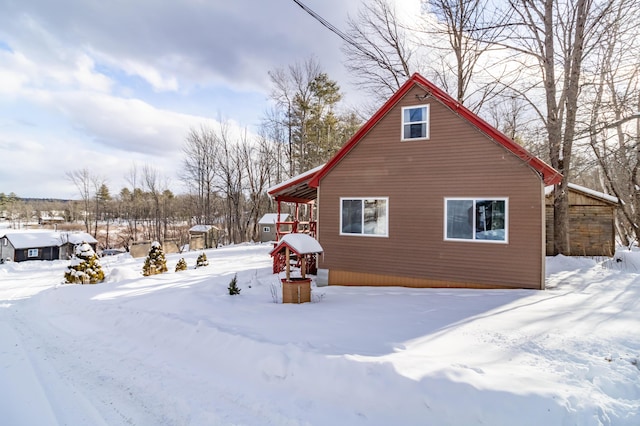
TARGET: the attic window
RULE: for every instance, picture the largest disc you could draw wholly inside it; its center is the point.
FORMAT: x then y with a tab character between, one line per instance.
415	122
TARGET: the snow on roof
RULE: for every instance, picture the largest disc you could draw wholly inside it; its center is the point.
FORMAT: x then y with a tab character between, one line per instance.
548	190
300	243
43	238
271	218
202	228
301	176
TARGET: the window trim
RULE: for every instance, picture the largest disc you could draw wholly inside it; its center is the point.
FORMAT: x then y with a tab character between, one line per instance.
266	229
426	122
32	250
474	239
362	234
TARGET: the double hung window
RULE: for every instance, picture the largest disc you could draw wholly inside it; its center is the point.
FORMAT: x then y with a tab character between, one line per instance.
415	122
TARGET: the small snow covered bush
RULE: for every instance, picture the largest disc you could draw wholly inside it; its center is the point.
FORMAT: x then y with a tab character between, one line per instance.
155	263
233	286
85	267
202	260
181	265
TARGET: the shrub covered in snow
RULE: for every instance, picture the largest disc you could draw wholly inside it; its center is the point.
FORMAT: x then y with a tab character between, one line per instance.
202	260
181	265
155	263
85	267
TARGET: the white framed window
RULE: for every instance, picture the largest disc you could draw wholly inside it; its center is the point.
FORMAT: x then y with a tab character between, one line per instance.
364	216
476	219
32	253
266	229
415	122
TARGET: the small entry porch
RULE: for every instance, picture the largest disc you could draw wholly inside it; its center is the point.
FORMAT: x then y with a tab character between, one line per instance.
299	199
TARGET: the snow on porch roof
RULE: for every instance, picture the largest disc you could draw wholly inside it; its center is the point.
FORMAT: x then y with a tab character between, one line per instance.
297	188
299	244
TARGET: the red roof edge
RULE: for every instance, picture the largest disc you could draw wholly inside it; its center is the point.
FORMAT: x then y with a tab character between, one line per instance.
550	176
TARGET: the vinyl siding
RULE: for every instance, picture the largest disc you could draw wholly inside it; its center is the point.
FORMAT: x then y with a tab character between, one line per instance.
417	176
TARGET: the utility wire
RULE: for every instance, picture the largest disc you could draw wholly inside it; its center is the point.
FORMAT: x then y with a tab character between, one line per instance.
345	37
328	25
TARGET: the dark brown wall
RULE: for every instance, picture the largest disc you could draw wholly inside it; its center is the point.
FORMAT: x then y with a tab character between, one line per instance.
457	161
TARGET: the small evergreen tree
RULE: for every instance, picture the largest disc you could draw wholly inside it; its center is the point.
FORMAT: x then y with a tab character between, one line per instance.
155	263
85	267
181	265
202	260
233	286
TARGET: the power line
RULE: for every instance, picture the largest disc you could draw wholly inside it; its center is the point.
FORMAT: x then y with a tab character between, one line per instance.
328	25
345	37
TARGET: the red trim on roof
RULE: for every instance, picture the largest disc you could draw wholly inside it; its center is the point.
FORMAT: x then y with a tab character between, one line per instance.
550	175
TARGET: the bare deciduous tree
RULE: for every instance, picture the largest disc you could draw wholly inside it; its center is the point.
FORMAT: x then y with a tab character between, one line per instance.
82	180
557	35
380	57
462	33
199	172
614	105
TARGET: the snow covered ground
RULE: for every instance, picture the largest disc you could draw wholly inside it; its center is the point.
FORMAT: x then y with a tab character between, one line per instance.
177	349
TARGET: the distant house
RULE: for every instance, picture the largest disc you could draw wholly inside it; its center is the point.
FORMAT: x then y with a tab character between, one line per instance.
141	248
427	194
269	225
592	229
51	218
19	246
203	237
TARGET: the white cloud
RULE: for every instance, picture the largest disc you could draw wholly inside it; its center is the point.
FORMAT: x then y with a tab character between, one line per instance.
85	76
96	84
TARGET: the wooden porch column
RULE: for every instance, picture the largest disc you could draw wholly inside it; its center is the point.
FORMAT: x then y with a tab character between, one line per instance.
287	257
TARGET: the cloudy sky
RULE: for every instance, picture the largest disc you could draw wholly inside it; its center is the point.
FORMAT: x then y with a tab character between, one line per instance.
106	84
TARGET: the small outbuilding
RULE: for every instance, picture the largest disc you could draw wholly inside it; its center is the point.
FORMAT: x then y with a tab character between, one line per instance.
592	229
203	237
269	226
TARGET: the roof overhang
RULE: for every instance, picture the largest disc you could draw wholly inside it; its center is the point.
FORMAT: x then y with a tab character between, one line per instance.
296	189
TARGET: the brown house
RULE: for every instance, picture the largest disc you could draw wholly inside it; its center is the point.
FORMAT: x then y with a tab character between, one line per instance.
592	229
427	194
